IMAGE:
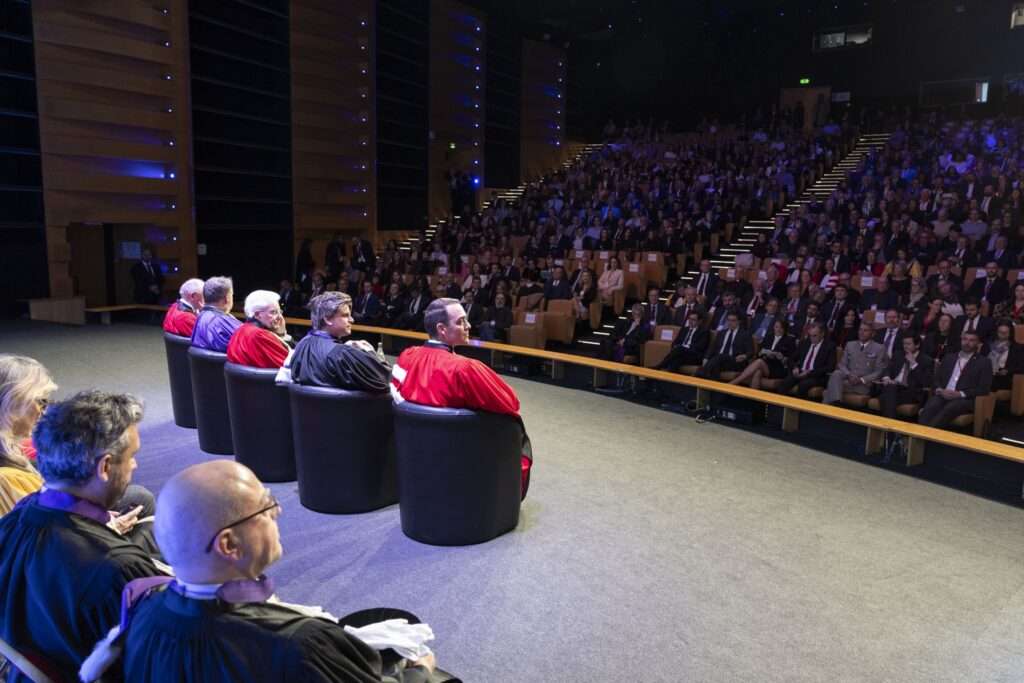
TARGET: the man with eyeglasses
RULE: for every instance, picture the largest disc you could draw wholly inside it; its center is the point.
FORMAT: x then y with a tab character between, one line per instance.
263	341
218	619
66	557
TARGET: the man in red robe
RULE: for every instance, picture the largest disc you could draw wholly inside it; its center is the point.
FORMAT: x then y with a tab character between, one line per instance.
181	316
262	342
434	375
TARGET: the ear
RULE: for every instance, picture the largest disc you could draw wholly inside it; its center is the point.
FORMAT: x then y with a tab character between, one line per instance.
227	546
104	466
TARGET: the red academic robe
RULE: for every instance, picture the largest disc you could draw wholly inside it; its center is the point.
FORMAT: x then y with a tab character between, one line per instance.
256	347
434	375
180	320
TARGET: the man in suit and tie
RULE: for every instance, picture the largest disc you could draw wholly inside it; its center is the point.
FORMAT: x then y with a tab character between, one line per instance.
731	350
148	279
761	324
881	297
557	287
689	346
367	307
863	362
906	378
991	288
474	311
961	377
990	205
655	311
291	298
794	306
890	335
945	274
1001	254
706	282
412	318
811	362
835	310
720	310
687	305
974	321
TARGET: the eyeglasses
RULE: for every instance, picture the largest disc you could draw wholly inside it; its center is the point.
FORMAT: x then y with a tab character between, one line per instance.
273	504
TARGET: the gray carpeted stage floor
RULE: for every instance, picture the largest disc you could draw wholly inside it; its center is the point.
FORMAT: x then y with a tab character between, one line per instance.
650	549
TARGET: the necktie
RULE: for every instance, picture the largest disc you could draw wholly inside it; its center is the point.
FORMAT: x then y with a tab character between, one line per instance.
988	285
689	337
862	347
727	345
702	283
888	340
809	358
832	316
973	324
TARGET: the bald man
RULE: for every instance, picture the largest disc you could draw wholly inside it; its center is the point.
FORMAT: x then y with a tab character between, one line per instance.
217	621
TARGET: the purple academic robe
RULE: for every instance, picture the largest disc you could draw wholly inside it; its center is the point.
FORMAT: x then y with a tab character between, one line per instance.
213	329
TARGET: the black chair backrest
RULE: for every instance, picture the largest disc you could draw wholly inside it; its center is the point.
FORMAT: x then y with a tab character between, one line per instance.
261	422
459	473
211	400
180	375
344	449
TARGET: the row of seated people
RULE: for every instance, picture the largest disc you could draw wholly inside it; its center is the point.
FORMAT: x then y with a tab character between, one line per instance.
101	583
328	357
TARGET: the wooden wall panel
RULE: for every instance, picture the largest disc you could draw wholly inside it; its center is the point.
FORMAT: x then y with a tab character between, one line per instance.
334	186
543	109
457	99
113	90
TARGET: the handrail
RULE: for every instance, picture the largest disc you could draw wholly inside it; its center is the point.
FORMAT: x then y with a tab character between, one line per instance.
869	420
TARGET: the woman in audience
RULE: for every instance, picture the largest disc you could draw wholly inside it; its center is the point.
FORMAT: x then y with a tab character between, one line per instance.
25	387
918	297
475	271
583	295
630	336
772	360
806	283
610	281
941	340
926	320
847	330
1013	308
1006	355
898	280
604	242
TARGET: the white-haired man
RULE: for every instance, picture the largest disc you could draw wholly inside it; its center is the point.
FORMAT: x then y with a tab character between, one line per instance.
181	316
262	342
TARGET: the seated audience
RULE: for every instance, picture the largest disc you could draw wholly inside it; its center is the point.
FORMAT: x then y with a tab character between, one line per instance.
415	303
942	340
1012	308
629	336
706	283
66	557
263	341
655	312
181	316
689	346
25	389
961	377
974	321
367	307
218	619
610	281
583	294
557	286
813	359
992	288
889	336
498	320
772	360
846	331
434	375
862	362
731	350
906	379
881	297
1007	356
321	359
215	324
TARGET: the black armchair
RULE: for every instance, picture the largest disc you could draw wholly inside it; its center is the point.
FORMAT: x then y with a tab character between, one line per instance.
211	400
261	423
181	380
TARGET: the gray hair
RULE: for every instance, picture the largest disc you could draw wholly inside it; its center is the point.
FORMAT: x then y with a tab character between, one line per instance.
190	286
259	300
23	382
74	434
216	289
325	306
437	312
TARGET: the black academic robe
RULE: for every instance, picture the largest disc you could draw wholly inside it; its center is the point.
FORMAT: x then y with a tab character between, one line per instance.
176	639
321	361
61	577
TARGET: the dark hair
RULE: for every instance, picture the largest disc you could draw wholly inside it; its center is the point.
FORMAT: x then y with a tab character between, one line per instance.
71	436
437	312
216	289
324	306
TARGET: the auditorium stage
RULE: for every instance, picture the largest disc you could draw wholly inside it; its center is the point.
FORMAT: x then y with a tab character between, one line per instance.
650	548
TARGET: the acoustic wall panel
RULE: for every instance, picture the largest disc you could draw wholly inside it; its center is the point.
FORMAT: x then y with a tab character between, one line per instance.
543	108
504	102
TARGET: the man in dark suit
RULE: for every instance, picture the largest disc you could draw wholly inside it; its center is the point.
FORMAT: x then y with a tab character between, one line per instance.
890	335
416	304
291	299
881	297
945	274
688	305
962	376
509	271
474	311
974	321
906	378
655	311
731	351
363	257
148	279
761	324
720	310
706	282
1001	254
689	346
794	307
367	307
991	288
835	310
557	287
813	360
773	286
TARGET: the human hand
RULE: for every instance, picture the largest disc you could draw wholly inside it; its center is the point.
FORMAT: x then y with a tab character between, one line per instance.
429	662
361	344
122	524
740	358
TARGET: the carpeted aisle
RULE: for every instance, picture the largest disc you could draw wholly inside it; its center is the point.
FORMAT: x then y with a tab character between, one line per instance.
650	548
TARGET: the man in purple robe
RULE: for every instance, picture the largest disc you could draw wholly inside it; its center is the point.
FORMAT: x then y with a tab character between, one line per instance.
215	324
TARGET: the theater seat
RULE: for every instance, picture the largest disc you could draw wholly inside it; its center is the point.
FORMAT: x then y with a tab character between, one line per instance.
560	320
856	400
459	473
211	400
657	348
769	384
980	419
180	376
261	425
528	330
344	449
908	410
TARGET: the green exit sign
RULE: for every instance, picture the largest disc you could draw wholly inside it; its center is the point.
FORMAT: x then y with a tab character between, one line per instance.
805	81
